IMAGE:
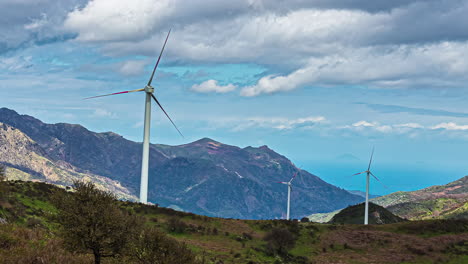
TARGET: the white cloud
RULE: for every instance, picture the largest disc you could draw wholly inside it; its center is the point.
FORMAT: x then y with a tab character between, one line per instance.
99	112
450	126
212	86
364	124
320	43
37	23
278	123
110	20
433	65
409	125
132	67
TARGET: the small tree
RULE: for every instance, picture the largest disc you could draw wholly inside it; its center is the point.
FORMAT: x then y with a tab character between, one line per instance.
280	240
154	247
92	221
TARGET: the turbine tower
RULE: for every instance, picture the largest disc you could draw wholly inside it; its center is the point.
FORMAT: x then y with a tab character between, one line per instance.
149	91
368	173
289	183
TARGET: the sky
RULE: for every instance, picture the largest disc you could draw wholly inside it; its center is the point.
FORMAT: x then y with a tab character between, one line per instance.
319	81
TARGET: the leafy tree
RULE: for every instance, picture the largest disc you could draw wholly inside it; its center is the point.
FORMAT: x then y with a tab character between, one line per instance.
154	247
93	222
280	240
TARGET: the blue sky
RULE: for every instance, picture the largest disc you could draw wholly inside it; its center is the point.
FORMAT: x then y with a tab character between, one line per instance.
320	82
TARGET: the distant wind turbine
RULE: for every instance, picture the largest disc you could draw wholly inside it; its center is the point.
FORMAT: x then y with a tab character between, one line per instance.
289	183
149	90
368	173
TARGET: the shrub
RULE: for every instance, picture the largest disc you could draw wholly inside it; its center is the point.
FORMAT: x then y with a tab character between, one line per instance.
279	241
153	246
176	225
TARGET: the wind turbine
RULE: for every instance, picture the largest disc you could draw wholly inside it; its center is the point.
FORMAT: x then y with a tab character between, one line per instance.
289	183
149	90
368	173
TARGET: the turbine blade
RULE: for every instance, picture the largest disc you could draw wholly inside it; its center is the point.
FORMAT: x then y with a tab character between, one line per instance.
159	58
374	176
124	92
160	106
294	176
370	161
282	182
385	186
358	173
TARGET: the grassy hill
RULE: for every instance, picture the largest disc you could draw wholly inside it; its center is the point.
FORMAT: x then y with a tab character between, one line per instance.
448	201
31	234
435	202
355	215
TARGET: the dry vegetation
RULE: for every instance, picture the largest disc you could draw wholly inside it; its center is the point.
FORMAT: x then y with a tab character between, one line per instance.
35	235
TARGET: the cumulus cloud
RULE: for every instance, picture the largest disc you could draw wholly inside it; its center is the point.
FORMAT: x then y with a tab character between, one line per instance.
432	65
28	22
302	43
278	123
366	126
450	126
132	67
212	86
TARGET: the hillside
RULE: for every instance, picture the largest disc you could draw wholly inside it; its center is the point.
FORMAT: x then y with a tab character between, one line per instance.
435	202
355	215
204	177
31	234
444	201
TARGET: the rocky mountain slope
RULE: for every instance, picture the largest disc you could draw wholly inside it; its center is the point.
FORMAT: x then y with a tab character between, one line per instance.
435	202
205	177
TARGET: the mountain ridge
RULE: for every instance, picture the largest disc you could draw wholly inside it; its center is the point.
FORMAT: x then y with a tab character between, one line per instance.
204	177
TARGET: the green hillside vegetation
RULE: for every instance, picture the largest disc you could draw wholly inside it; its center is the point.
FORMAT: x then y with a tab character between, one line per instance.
448	201
435	202
355	215
35	234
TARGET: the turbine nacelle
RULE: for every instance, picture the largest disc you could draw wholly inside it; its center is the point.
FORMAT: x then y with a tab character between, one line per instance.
149	89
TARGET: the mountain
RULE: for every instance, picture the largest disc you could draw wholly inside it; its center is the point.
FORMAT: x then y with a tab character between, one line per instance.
442	201
355	215
363	194
204	177
435	202
26	160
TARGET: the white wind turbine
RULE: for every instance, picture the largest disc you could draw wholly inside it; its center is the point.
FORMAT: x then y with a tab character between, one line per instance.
368	173
149	90
289	183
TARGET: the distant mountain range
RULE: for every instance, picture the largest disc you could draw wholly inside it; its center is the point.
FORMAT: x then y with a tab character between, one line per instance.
435	202
204	177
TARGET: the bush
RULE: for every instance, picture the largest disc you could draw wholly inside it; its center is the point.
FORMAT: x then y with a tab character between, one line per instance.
176	225
153	246
280	240
34	222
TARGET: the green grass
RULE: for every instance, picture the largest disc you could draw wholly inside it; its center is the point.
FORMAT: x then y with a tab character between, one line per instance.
32	201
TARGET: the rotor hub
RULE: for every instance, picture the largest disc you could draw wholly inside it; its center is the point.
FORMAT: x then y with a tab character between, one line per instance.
149	89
